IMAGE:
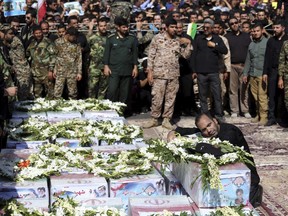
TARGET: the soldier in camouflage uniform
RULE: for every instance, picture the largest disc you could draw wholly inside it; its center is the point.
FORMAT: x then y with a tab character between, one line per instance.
68	65
41	53
5	91
7	36
164	71
21	68
97	81
283	71
120	8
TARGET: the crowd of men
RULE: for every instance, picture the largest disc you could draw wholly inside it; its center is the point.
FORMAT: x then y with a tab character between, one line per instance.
144	54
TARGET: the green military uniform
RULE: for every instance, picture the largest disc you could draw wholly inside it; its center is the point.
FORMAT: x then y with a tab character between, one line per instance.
283	68
21	68
68	64
121	56
42	57
97	81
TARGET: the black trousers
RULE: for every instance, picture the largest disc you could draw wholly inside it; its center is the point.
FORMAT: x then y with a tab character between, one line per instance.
211	82
272	93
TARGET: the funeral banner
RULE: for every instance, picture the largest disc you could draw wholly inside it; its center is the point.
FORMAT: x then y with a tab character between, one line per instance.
14	7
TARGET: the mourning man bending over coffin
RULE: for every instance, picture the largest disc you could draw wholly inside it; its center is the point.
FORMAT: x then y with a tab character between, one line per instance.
210	127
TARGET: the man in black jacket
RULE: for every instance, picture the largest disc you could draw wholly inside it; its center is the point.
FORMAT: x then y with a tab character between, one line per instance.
270	72
210	127
26	31
208	48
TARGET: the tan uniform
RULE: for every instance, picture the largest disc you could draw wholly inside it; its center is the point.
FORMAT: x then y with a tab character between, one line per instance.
163	60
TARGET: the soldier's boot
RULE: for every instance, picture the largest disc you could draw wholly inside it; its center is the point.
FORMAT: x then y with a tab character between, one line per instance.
255	119
166	124
153	122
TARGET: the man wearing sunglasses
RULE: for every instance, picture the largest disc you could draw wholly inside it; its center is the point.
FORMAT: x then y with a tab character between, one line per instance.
238	42
205	66
27	32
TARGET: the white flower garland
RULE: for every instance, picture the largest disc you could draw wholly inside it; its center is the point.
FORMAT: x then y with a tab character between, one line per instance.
44	105
176	151
85	130
62	207
56	158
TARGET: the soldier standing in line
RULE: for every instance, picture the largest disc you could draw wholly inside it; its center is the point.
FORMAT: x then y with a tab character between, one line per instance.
97	81
120	62
283	72
21	68
68	65
164	71
7	36
120	8
72	21
27	30
41	53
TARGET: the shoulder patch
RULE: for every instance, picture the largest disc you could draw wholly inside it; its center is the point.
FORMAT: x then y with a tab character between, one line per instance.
111	35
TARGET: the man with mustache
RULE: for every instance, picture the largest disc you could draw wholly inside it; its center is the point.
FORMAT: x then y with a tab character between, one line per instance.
210	127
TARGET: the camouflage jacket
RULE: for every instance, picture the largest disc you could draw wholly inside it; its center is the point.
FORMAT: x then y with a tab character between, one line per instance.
163	56
97	46
68	57
5	69
41	55
17	55
283	60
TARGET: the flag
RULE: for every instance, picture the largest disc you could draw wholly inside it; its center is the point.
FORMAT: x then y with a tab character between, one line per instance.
192	30
41	10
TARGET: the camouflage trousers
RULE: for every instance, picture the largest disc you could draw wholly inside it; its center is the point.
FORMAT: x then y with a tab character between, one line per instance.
121	9
164	90
285	76
24	77
43	84
60	82
97	83
24	88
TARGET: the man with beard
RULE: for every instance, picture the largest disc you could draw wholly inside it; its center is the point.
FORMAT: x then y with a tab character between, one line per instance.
270	73
41	54
68	64
27	30
15	25
7	35
164	71
20	65
97	82
205	66
211	128
45	29
82	41
254	66
185	100
238	43
120	62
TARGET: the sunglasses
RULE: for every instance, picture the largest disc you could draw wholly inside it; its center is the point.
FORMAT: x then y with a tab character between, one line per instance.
233	23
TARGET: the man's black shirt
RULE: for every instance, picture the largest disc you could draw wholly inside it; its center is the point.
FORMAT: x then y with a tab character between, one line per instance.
238	46
272	53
